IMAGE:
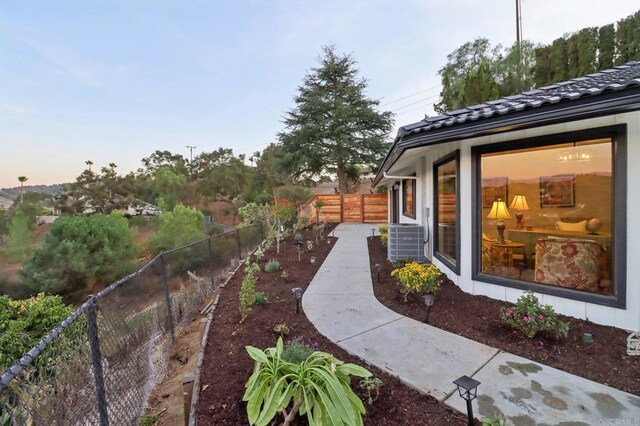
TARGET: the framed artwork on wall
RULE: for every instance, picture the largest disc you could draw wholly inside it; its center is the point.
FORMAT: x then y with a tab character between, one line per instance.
494	189
557	191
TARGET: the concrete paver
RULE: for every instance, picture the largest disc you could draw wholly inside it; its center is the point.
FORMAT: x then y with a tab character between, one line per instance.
340	303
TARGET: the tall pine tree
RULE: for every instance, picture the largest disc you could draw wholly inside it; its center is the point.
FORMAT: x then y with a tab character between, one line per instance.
334	127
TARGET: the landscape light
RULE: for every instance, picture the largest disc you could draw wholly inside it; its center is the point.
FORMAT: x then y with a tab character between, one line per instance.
378	267
297	293
373	232
428	302
312	259
468	390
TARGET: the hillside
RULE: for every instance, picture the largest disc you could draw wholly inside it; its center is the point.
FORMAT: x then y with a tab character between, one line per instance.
13	193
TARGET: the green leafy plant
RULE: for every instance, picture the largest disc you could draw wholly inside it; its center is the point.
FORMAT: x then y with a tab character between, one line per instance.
416	278
384	240
401	261
309	245
302	222
494	421
272	266
530	317
318	387
259	253
371	385
383	229
282	329
297	237
248	289
260	298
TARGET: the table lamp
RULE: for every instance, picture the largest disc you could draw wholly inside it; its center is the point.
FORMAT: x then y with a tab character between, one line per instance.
499	211
519	203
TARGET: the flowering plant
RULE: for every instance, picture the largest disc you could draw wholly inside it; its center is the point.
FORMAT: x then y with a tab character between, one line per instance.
417	278
530	317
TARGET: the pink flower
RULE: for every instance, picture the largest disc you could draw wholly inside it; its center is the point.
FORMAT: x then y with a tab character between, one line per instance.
526	318
540	317
508	313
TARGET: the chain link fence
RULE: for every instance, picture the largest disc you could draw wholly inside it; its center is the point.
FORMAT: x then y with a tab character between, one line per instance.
99	366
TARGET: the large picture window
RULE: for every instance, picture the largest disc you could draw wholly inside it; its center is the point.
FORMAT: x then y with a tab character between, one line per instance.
551	214
409	198
447	210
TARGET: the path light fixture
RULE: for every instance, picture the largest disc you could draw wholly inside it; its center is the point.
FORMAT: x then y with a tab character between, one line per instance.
468	390
428	302
373	232
297	294
378	267
312	259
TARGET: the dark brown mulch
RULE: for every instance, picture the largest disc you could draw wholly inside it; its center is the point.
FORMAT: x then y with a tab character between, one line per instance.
227	366
477	317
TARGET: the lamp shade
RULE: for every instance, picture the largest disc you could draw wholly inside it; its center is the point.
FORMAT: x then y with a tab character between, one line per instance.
499	210
519	202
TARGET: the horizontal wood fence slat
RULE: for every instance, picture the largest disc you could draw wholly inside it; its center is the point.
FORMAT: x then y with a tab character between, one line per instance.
355	208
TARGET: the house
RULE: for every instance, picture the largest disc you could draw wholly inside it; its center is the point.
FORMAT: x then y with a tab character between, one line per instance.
535	191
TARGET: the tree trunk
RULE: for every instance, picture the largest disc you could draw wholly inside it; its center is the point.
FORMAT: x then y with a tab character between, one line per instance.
343	184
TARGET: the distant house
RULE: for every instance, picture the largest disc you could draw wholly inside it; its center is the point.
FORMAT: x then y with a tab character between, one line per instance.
535	191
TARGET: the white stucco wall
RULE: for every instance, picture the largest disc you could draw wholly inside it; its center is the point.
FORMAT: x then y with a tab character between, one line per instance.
420	161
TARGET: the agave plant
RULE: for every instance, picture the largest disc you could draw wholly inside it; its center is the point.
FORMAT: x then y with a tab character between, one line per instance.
318	387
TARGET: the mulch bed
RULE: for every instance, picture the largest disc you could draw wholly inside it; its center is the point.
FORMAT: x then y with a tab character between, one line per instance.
227	366
477	317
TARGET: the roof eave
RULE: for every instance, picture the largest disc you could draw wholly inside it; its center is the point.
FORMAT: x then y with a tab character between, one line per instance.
579	109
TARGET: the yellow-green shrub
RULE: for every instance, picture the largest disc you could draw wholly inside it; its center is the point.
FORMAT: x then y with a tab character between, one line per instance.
417	278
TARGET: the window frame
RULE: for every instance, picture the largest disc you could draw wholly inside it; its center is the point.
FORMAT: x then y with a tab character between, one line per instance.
405	184
452	156
618	136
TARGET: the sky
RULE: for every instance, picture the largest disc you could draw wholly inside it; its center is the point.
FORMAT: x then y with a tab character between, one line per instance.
113	81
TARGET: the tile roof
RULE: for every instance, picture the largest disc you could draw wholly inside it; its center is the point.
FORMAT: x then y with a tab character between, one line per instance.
615	79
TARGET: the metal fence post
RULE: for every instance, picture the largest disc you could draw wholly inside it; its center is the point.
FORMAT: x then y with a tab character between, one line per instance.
213	279
239	245
165	280
96	363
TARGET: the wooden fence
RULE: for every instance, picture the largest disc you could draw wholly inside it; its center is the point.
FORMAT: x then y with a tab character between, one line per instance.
358	208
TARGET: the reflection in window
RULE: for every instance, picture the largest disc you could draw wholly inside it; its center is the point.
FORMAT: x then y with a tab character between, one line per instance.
556	206
409	199
446	205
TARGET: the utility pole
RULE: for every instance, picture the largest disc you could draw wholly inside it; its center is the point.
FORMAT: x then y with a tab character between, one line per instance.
191	148
519	36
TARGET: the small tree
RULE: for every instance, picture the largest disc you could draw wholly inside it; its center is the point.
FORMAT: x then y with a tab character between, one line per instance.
178	227
19	239
318	205
81	254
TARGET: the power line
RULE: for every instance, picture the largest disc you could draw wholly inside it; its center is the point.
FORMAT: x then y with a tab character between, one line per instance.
416	109
416	102
411	95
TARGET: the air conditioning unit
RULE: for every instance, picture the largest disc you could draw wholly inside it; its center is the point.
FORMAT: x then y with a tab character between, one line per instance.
405	240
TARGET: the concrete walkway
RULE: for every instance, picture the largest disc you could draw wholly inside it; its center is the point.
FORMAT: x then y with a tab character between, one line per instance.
341	304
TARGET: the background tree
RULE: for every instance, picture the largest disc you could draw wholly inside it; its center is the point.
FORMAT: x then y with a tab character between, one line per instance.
167	186
81	254
18	239
178	227
333	124
176	162
22	180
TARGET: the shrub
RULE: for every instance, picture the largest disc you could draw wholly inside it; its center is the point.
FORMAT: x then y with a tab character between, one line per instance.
282	329
297	350
402	261
384	240
24	322
302	222
297	237
81	253
214	229
530	317
371	385
248	289
260	299
272	266
319	386
417	278
383	229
